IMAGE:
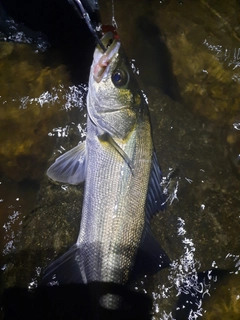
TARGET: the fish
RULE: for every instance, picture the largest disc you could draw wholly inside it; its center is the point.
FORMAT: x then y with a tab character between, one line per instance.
122	177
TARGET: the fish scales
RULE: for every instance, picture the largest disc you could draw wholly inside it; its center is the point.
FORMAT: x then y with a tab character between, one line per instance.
113	216
122	178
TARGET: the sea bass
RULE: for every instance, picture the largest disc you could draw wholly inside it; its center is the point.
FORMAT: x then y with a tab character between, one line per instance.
122	179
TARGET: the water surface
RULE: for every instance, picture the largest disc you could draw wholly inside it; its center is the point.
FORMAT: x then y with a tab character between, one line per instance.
186	57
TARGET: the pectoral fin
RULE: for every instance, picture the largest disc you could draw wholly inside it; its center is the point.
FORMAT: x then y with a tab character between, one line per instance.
70	167
107	137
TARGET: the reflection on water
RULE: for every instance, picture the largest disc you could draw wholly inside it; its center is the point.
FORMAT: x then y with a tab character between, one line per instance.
229	55
26	122
8	226
21	143
14	32
197	142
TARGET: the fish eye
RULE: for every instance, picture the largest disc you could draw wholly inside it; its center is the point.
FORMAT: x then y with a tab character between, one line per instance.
119	78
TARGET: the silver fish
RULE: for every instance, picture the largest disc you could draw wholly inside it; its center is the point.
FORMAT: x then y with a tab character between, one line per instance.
122	179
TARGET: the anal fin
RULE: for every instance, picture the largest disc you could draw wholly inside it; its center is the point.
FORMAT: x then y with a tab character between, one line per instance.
64	270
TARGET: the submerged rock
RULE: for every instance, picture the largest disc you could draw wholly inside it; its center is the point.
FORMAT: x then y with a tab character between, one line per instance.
223	301
189	49
30	102
47	231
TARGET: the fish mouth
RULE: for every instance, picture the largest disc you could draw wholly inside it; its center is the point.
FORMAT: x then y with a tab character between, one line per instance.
101	59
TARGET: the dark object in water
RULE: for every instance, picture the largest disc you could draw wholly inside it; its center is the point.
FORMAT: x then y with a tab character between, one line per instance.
157	69
73	302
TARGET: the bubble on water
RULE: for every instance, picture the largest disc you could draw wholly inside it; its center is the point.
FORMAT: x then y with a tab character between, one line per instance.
10	234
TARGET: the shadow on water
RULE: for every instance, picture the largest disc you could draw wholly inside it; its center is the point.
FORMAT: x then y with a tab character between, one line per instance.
156	59
80	302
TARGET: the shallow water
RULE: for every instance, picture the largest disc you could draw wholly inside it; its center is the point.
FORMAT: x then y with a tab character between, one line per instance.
187	57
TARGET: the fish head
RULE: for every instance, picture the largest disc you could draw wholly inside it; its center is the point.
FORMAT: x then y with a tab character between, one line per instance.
114	98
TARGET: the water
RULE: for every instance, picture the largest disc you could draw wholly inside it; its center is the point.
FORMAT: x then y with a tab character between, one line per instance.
187	57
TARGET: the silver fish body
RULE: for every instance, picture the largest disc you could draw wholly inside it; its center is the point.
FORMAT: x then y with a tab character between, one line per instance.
122	179
113	213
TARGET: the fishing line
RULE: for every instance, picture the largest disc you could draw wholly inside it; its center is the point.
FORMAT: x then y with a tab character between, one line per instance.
114	22
78	6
